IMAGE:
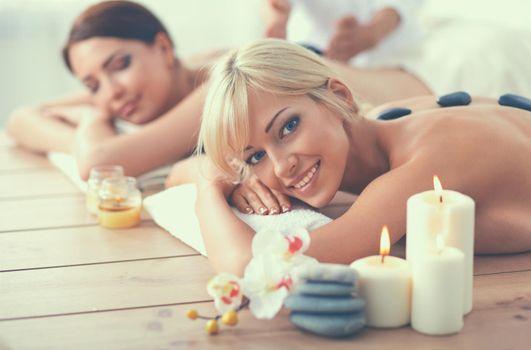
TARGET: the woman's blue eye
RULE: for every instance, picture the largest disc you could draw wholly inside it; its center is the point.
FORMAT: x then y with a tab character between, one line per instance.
256	157
290	126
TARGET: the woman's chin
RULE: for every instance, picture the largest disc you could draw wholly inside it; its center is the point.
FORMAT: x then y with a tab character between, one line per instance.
320	201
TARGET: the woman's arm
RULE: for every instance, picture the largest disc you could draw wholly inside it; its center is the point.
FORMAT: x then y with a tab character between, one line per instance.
351	38
353	235
227	239
48	127
356	233
166	139
384	22
250	197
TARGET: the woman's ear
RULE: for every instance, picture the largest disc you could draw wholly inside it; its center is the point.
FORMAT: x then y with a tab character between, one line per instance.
342	91
163	43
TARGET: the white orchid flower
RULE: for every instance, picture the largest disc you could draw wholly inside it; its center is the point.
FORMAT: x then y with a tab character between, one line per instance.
266	283
226	290
285	246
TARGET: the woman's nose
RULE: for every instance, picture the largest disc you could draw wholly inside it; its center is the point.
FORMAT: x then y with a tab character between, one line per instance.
117	90
284	165
113	91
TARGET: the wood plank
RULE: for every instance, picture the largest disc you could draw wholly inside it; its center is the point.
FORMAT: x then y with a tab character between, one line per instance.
94	244
42	213
86	245
107	286
35	183
500	320
487	264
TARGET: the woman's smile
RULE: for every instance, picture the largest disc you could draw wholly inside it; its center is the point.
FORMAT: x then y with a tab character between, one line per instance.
306	180
129	107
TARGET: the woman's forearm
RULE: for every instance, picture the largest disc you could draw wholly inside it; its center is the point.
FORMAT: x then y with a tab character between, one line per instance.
384	23
33	130
227	238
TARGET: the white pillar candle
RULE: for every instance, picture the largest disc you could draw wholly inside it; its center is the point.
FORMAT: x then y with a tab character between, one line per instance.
445	212
437	292
385	284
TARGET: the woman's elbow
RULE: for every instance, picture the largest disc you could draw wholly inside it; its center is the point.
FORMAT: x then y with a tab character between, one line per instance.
15	122
233	265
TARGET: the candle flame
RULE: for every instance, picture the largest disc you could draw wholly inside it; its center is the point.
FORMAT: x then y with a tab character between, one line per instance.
385	243
439	241
438	188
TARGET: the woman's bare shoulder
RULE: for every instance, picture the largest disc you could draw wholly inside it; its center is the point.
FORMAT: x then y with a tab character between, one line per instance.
203	59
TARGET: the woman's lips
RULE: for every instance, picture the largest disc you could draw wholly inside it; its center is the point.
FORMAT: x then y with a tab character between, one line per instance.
308	180
128	108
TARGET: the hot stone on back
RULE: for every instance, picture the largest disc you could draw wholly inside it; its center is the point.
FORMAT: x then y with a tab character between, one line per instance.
459	98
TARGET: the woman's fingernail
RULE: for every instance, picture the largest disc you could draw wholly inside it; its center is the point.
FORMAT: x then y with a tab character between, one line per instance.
285	208
262	210
249	210
273	211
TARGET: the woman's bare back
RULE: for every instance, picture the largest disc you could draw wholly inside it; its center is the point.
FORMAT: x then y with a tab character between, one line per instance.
484	151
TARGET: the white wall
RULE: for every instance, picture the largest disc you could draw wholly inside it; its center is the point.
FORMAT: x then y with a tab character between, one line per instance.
32	33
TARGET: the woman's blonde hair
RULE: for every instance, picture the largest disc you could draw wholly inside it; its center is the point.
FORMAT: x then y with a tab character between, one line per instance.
268	65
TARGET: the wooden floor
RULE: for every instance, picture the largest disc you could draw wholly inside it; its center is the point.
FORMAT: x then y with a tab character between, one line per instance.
66	283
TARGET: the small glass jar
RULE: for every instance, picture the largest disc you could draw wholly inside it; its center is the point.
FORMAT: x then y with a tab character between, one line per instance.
97	175
120	202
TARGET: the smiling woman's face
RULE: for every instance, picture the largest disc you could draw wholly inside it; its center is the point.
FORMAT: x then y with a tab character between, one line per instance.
297	147
128	78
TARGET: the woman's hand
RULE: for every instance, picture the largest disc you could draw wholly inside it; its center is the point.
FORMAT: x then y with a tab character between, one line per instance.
251	197
350	39
276	14
254	197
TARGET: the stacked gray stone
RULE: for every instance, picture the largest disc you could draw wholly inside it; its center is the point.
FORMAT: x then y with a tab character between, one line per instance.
325	301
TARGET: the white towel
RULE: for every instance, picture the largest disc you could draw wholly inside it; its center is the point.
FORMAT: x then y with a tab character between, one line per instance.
174	210
68	165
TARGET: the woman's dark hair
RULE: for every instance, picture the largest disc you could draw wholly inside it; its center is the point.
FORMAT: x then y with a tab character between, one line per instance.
115	19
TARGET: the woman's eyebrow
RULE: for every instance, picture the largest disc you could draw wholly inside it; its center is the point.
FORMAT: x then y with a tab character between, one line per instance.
269	125
272	121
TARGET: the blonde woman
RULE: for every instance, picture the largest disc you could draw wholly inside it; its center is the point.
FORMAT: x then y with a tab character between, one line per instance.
280	113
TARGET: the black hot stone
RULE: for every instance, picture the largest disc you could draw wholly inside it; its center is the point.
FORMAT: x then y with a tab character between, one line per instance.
393	113
459	98
516	101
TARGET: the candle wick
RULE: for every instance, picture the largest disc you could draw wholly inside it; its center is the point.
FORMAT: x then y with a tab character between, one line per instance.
440	199
383	257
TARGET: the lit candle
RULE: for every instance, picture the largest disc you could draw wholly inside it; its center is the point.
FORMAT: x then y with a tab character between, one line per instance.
437	293
97	175
385	284
445	212
120	203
